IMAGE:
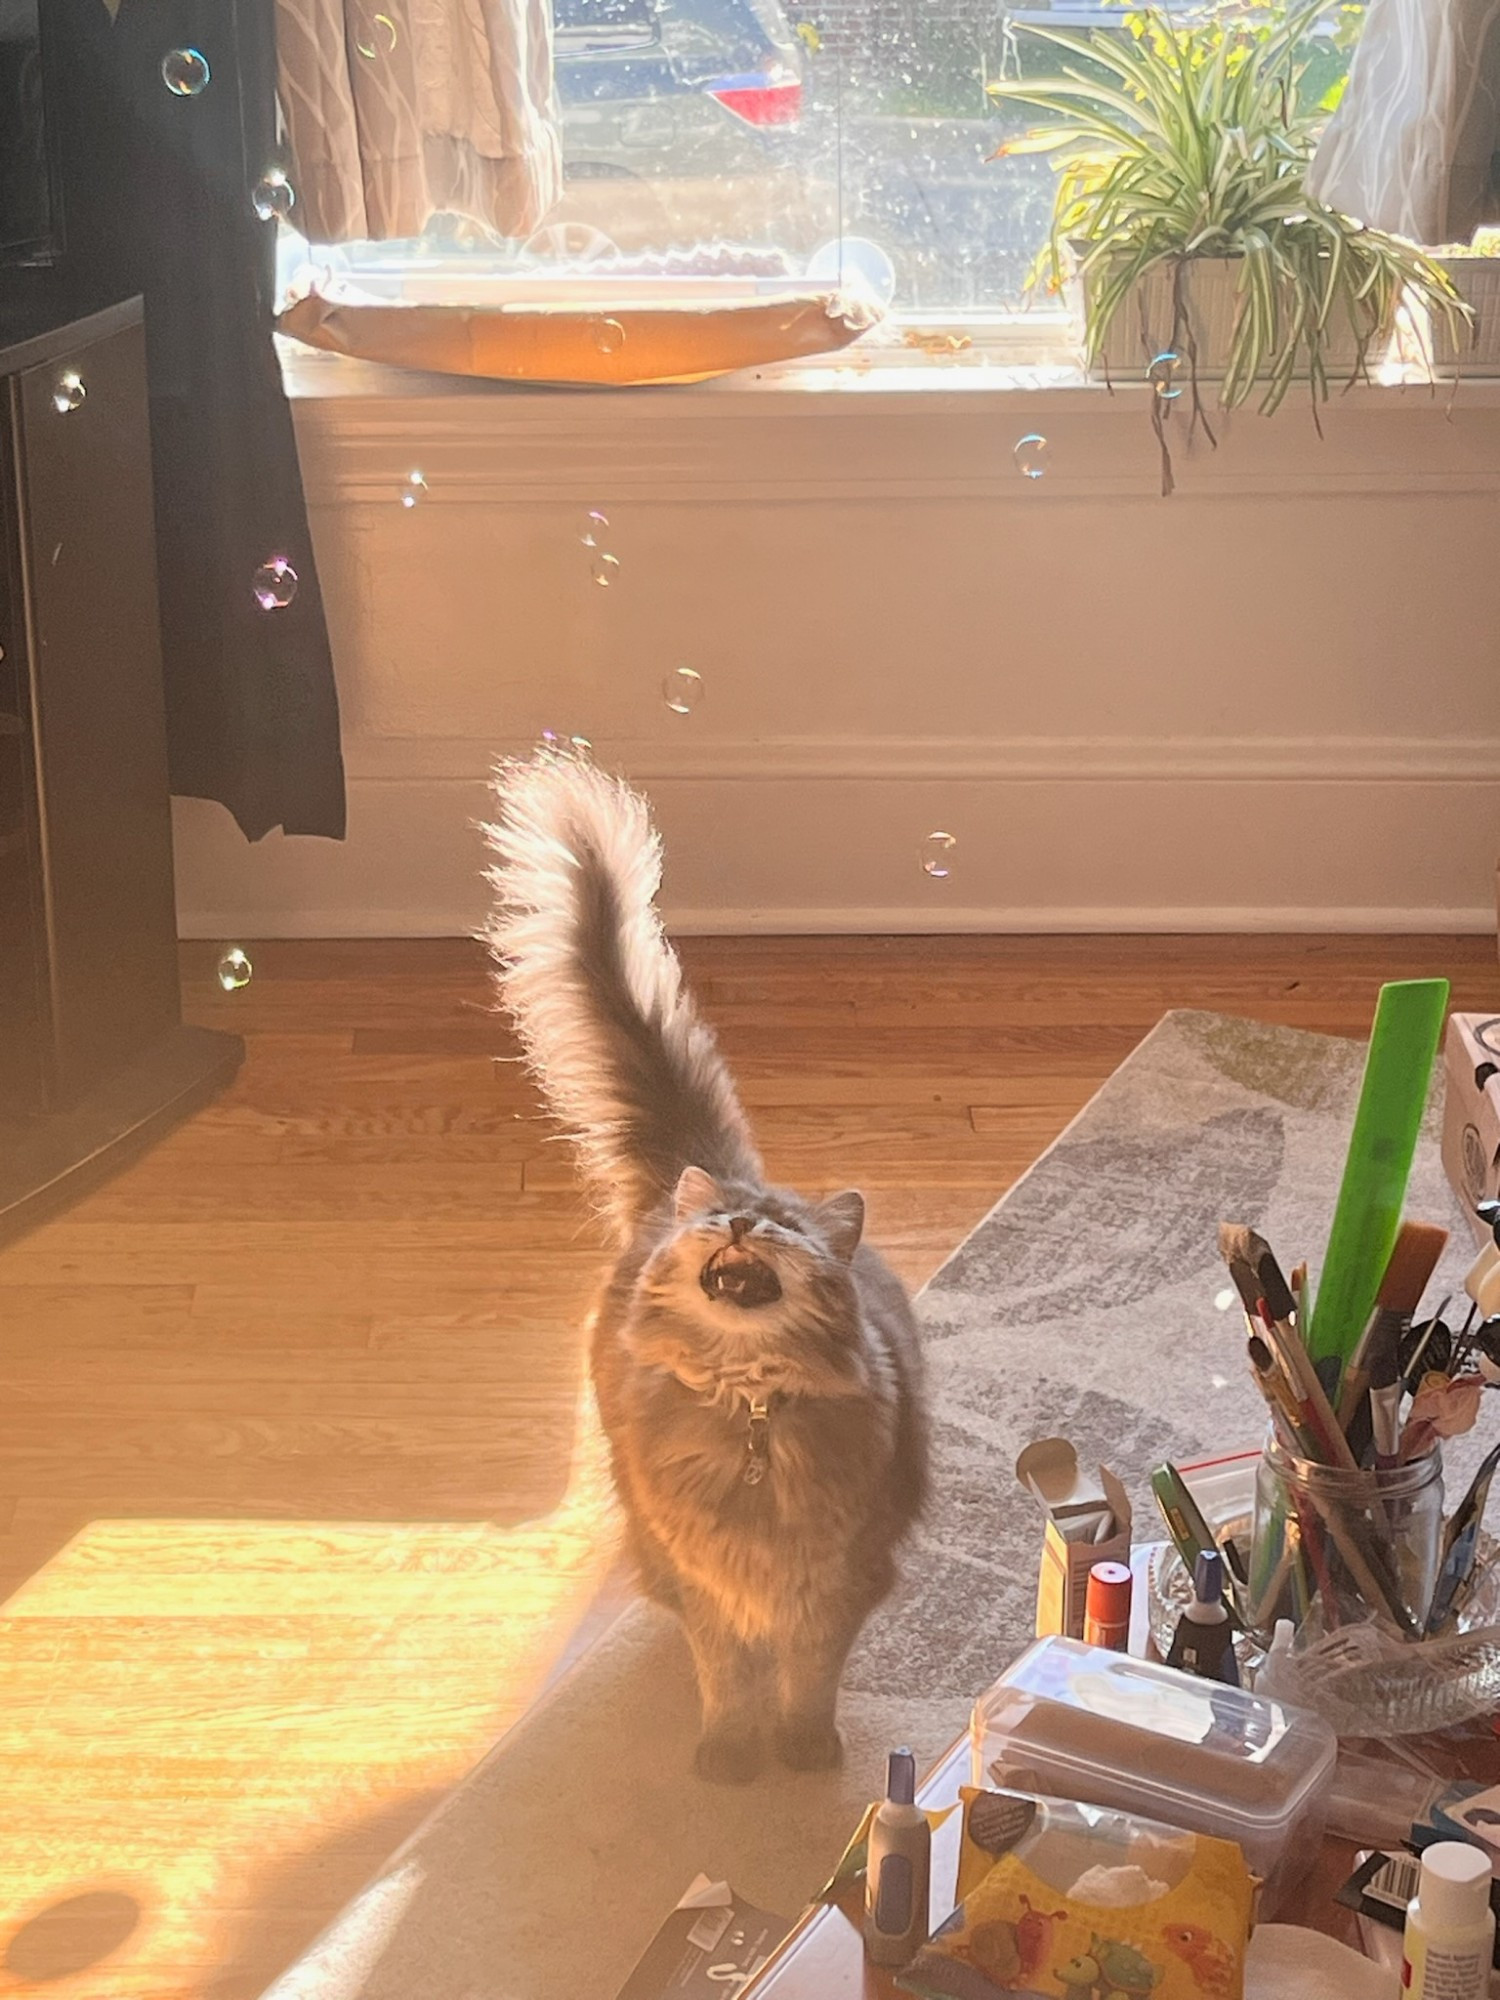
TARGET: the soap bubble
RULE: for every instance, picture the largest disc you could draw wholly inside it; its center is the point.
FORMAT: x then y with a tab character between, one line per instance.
68	393
594	526
272	196
609	336
382	30
681	690
413	489
1224	1299
274	584
849	260
1162	375
606	568
185	72
234	969
936	849
1031	455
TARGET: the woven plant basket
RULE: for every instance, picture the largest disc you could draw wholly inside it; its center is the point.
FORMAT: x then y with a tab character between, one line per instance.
1142	327
1476	279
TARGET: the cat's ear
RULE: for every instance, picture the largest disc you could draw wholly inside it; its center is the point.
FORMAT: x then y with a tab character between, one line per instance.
842	1221
697	1193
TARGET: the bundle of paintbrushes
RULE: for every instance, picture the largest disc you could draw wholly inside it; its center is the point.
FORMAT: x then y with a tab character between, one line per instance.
1360	1392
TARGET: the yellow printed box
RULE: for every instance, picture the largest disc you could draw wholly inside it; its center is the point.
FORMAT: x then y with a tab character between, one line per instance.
1063	1902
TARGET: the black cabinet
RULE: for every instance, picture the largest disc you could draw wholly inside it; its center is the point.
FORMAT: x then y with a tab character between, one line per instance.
93	1055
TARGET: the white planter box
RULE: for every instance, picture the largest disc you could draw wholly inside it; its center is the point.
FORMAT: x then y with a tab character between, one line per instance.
1142	328
1476	279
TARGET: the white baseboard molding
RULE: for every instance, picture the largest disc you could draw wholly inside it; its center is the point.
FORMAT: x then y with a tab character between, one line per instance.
341	922
843	855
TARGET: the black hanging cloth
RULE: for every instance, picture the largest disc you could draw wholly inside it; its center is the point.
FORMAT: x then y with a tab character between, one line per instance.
162	118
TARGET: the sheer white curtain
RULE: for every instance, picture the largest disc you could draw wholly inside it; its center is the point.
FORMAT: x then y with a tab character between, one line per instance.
395	109
1411	147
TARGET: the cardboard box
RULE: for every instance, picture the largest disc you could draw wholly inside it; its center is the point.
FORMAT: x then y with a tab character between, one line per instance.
1471	1112
1087	1521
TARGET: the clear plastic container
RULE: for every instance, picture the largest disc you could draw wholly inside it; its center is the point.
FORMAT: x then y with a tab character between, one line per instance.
1074	1722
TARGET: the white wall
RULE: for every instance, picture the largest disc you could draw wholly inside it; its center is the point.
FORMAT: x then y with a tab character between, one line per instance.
1271	701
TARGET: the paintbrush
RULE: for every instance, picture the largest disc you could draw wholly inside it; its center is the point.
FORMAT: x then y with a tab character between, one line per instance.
1461	1544
1232	1248
1300	1293
1280	1398
1432	1326
1301	1535
1412	1263
1278	1324
1365	1561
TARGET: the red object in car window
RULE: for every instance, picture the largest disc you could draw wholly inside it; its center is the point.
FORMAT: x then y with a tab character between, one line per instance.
761	102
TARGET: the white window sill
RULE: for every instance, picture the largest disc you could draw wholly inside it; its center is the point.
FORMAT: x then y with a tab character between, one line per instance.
1017	364
885	423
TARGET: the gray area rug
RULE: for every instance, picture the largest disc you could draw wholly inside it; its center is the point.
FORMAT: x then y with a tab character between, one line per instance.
1083	1304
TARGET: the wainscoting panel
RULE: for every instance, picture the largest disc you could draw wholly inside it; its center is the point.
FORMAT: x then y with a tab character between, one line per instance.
1272	701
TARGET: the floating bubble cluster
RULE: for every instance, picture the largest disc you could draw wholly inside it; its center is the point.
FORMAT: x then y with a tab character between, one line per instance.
413	489
185	72
68	393
682	689
274	584
1031	455
272	197
1162	375
936	850
234	969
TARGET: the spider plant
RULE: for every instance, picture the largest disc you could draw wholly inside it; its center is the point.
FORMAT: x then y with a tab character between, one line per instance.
1186	140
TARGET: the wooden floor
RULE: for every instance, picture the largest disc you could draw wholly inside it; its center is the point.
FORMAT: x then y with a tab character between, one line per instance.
296	1509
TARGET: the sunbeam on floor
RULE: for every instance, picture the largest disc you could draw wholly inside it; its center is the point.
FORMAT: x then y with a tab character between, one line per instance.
205	1687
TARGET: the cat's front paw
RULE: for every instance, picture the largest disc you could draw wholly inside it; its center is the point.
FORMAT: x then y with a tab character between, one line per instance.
809	1746
728	1757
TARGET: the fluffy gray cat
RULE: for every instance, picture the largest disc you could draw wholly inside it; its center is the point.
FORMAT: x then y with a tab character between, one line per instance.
756	1365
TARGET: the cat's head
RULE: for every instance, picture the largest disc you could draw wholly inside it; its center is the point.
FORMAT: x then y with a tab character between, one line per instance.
742	1263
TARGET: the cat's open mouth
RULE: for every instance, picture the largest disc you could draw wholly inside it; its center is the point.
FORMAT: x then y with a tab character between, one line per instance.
740	1277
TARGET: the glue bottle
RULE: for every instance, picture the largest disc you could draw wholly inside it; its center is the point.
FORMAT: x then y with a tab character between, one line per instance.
899	1868
1203	1643
1450	1927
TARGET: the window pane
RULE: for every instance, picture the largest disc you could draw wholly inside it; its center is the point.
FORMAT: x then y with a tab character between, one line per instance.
770	138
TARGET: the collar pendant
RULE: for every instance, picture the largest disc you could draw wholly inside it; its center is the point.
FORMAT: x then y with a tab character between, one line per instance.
758	1442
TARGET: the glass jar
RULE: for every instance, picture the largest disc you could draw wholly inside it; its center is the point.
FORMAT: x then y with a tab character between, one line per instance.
1333	1547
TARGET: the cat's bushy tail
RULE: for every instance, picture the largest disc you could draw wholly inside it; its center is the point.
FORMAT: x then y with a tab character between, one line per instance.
585	970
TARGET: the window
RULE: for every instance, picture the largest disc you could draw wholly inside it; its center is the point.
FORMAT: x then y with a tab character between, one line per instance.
756	140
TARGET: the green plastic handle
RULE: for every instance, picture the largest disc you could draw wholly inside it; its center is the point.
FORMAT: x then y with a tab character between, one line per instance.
1398	1070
